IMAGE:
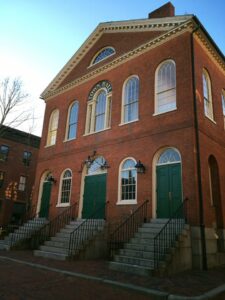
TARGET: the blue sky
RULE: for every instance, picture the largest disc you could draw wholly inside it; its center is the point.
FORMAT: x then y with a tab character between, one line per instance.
39	36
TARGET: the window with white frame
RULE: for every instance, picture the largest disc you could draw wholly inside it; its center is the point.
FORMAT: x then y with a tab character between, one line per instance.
165	87
223	105
52	128
103	54
130	100
128	182
99	108
207	94
22	183
72	121
65	188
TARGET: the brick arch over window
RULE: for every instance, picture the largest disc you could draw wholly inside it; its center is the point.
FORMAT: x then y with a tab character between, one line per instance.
165	87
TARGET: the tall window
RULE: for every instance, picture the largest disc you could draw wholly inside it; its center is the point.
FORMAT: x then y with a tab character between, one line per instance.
165	85
130	100
22	183
128	182
207	94
72	121
26	158
4	151
52	129
99	109
223	105
65	188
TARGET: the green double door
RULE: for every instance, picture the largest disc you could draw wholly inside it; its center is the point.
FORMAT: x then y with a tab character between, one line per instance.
94	198
45	199
169	189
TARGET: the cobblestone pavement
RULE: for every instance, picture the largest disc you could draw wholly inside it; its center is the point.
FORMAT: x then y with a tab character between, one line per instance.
190	283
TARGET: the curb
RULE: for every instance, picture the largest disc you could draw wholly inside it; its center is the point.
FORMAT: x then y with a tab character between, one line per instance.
155	295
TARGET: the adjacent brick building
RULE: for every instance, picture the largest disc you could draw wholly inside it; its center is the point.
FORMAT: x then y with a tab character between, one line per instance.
144	93
18	159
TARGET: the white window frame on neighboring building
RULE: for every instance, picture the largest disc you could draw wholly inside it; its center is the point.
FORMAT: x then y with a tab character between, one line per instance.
72	123
52	128
130	100
65	188
120	184
22	183
207	95
165	87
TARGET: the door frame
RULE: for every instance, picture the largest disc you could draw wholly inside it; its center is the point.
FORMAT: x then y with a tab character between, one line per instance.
42	180
154	177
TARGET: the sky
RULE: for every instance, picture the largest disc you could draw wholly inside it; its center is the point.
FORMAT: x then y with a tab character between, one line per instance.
38	37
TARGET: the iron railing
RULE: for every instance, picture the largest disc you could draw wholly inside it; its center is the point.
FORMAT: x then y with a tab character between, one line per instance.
54	226
166	237
86	230
127	228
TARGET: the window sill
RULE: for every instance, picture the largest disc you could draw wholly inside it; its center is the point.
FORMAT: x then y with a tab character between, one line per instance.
69	140
164	112
47	146
212	120
63	205
90	133
126	202
133	121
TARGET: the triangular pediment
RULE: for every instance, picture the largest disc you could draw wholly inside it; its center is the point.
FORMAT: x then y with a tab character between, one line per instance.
123	36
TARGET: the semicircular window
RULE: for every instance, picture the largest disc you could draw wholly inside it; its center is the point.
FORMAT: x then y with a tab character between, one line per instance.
169	156
103	54
96	166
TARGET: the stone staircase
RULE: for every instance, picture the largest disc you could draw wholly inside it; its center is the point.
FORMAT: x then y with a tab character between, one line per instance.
23	233
137	256
58	246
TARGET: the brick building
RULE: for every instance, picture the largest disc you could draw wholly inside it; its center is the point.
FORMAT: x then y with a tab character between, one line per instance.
18	159
139	113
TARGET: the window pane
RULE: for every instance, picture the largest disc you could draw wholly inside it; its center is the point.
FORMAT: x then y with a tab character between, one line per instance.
169	156
73	118
128	180
131	100
100	111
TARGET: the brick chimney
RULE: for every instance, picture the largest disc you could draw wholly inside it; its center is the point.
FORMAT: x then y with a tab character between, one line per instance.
167	10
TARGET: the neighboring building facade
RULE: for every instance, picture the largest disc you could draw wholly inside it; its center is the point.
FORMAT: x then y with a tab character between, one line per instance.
18	159
143	93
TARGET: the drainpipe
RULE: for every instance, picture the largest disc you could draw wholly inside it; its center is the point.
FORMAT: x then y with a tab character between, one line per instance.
198	158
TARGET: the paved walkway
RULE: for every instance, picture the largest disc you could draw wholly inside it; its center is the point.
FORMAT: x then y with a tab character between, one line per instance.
189	284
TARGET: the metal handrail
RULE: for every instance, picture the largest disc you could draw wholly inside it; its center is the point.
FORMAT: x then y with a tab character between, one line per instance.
166	237
79	235
53	226
127	228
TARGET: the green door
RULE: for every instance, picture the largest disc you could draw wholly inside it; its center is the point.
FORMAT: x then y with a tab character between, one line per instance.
169	191
45	199
94	196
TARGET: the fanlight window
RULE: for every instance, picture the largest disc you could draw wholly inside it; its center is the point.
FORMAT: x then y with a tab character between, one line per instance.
169	156
103	54
96	166
66	187
130	101
128	180
207	93
165	87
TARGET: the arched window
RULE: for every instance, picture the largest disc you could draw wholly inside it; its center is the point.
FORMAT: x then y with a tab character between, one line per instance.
223	106
130	100
103	54
65	188
165	86
52	128
72	121
207	94
128	182
99	108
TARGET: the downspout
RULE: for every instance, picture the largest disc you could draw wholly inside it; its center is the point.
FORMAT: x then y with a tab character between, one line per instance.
198	158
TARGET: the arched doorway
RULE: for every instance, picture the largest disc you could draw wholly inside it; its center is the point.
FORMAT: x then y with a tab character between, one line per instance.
168	183
94	197
45	192
215	191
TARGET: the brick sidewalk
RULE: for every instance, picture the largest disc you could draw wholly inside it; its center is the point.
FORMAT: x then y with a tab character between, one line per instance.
189	283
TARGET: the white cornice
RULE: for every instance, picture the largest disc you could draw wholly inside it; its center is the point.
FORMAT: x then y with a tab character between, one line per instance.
162	24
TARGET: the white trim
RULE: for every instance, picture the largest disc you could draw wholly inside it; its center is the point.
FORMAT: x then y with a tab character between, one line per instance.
125	202
206	75
212	120
92	61
156	112
59	204
121	124
164	112
86	134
